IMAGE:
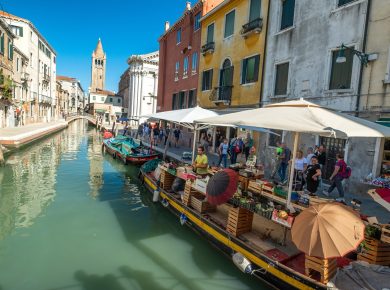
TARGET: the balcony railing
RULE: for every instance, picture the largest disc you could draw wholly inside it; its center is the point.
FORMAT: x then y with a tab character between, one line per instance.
208	48
254	26
221	94
45	99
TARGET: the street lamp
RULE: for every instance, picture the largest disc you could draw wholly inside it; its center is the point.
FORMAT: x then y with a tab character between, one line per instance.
363	57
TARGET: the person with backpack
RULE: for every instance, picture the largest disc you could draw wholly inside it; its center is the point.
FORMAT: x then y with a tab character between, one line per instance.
341	171
236	145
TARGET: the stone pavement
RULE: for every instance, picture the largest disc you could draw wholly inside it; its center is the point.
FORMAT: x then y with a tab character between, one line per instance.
18	136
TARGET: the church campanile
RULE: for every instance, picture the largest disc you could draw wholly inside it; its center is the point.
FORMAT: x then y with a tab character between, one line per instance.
98	71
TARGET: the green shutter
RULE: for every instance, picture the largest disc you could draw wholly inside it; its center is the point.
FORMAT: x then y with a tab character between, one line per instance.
288	7
11	52
255	8
210	33
281	79
21	31
2	44
229	23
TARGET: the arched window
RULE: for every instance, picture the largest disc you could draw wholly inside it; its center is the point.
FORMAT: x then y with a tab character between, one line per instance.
102	62
96	62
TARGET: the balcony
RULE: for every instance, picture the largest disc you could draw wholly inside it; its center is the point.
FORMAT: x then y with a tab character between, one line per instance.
46	78
45	99
208	48
221	94
253	27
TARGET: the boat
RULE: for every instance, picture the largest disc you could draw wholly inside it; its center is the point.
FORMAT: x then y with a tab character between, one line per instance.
128	150
277	262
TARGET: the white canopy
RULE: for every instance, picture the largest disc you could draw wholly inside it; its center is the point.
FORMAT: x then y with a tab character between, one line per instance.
303	116
184	117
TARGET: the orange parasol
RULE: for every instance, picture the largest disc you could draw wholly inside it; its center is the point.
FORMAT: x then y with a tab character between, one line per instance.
327	230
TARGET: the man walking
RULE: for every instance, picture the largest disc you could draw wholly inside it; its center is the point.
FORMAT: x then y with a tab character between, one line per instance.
284	159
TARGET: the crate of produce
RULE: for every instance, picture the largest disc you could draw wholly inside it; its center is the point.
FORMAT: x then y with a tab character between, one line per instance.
239	221
254	186
375	252
267	188
166	180
325	267
385	236
200	205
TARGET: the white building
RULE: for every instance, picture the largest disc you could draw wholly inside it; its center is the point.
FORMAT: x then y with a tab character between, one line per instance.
143	72
41	68
77	96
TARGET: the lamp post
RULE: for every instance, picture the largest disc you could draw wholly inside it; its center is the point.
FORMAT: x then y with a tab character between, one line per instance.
362	56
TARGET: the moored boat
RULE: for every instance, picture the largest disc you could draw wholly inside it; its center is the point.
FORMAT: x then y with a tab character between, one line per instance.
129	151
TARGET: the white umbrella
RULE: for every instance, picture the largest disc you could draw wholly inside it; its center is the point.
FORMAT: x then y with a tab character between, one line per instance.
300	116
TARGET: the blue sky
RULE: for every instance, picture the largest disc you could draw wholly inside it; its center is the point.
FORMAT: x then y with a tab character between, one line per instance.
73	27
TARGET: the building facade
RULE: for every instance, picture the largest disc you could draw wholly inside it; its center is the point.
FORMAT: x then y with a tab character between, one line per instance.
179	56
41	69
76	103
105	104
232	61
142	86
6	74
20	82
123	90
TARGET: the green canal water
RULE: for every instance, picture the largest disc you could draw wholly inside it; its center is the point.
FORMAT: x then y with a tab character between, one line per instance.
71	218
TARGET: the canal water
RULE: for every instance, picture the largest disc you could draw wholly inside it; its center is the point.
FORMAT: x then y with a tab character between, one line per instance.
71	218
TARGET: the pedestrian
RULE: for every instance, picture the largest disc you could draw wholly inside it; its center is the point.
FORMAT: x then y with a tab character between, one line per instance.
248	144
299	167
313	175
156	133
235	148
278	160
310	154
160	136
321	156
167	131
176	134
284	159
223	152
337	177
203	142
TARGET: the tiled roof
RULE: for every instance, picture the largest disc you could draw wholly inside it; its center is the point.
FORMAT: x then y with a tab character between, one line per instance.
104	92
65	78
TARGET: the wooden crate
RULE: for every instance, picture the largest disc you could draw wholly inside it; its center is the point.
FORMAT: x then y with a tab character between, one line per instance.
385	237
200	205
188	192
239	221
267	188
166	180
375	252
254	186
325	267
244	181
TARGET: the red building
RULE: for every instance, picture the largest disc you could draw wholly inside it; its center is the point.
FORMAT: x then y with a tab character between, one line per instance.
179	58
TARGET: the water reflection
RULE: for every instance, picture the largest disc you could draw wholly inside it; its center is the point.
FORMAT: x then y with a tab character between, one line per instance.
95	164
28	180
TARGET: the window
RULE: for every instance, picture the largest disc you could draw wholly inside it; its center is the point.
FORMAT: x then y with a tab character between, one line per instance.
178	36
31	59
210	33
101	62
119	101
192	98
185	67
254	10
207	80
194	62
2	43
17	64
10	50
54	59
17	30
229	23
94	98
250	69
197	21
110	100
288	7
182	100
344	2
281	79
174	102
177	67
273	139
102	98
340	75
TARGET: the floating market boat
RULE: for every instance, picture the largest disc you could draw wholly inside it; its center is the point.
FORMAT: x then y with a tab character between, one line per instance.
129	151
257	239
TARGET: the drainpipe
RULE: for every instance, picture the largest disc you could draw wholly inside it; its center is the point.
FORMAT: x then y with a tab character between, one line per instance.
357	108
264	57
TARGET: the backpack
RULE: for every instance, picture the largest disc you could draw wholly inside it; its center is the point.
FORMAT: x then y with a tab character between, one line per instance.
346	172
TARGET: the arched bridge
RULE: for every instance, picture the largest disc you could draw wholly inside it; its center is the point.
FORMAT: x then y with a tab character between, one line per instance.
74	116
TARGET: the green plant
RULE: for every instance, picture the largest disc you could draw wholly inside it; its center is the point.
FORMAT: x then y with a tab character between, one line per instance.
373	231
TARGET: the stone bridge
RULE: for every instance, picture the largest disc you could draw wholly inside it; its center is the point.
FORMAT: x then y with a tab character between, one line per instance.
74	116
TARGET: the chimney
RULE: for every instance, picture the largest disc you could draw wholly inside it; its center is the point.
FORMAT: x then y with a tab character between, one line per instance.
166	25
188	5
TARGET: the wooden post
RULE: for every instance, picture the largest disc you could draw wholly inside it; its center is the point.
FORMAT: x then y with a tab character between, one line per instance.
1	156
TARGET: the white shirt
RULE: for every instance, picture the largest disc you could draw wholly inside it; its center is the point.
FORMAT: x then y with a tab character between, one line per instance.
308	158
299	163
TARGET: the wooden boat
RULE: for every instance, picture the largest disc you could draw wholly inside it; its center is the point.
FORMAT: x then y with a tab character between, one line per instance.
282	266
126	149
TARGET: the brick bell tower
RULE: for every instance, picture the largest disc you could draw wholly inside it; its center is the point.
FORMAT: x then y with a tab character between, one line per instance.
98	68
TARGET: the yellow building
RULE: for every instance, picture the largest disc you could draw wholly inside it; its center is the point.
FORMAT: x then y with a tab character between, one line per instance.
233	45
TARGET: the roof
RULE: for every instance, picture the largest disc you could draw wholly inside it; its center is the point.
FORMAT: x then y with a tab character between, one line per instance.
217	8
6	27
65	78
99	49
17	18
105	92
151	58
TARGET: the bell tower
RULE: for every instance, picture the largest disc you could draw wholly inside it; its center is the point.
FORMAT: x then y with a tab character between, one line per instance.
98	71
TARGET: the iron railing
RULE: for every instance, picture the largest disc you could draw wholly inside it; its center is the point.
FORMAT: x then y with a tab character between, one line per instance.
254	26
208	48
222	94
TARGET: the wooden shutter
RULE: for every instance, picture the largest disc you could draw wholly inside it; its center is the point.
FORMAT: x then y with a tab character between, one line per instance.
288	7
281	79
255	8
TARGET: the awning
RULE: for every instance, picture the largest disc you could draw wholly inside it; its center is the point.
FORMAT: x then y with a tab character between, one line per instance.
100	111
